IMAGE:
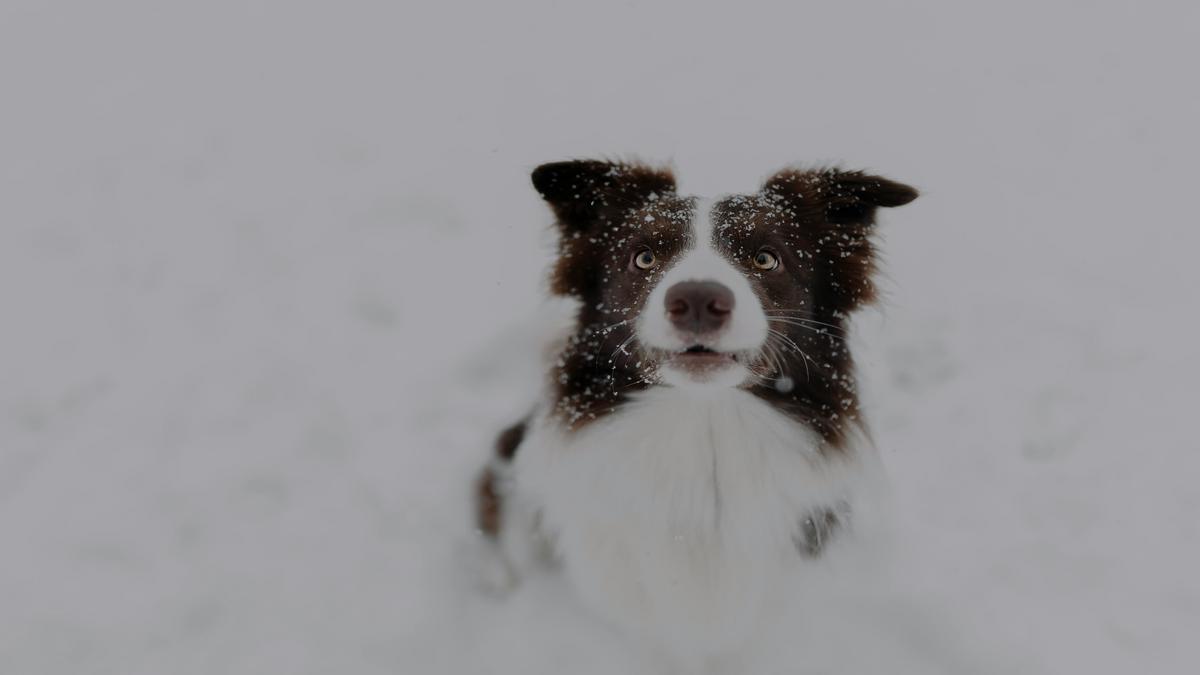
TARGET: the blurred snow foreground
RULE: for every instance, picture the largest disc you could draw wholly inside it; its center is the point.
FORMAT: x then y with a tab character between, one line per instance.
267	271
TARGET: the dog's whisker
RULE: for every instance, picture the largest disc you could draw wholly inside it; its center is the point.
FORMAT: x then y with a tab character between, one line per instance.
796	316
807	372
607	329
762	364
813	329
807	322
621	348
778	360
783	336
776	357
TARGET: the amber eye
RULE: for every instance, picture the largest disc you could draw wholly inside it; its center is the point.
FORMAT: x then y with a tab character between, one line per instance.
644	259
765	260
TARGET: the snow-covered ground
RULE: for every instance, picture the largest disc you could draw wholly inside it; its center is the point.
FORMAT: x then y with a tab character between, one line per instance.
267	273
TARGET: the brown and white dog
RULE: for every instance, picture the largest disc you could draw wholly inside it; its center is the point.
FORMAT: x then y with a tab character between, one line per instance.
700	432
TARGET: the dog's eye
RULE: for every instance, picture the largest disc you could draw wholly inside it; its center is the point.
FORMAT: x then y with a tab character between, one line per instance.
644	259
765	260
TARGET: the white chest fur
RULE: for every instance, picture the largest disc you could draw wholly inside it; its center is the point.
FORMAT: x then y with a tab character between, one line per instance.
676	515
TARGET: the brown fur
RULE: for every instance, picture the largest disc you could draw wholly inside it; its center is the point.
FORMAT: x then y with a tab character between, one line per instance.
489	495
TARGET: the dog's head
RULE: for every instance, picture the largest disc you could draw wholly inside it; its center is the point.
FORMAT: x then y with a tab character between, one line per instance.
744	291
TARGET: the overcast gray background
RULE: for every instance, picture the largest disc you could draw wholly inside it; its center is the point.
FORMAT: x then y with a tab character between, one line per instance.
266	272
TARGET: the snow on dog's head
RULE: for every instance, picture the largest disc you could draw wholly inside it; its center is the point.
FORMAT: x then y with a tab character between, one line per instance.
746	291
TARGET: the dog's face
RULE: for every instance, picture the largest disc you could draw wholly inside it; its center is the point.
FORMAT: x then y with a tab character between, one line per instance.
743	291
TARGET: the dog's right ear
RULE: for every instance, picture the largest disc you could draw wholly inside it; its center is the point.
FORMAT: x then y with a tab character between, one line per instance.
584	191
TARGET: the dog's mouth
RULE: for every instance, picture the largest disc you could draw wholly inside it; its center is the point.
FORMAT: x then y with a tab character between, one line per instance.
699	363
701	357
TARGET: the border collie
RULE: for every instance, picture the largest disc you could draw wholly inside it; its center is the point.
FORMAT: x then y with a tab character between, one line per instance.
700	433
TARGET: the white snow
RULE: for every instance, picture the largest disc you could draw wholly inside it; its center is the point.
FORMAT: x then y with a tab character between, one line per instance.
267	273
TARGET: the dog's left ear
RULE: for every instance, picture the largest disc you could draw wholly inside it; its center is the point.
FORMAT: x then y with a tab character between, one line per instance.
844	201
582	192
846	197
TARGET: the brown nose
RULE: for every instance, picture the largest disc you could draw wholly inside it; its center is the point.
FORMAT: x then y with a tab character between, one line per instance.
699	306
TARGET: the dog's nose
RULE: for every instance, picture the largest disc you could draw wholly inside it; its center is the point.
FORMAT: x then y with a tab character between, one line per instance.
699	306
